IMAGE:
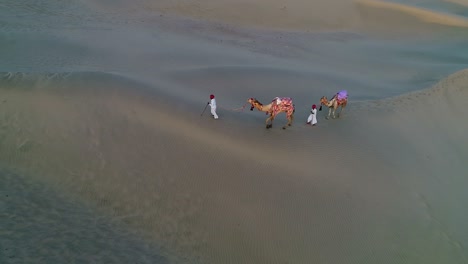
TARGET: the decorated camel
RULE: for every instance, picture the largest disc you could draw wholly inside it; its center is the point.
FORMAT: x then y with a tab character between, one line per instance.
339	99
278	105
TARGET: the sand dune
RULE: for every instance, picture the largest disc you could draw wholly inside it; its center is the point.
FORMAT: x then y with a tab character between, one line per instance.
105	156
459	2
230	191
260	13
301	15
424	15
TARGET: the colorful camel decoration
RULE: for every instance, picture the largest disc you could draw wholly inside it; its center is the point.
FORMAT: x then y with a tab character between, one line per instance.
339	99
278	105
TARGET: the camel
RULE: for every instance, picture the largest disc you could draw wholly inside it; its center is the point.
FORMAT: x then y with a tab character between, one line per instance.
278	105
339	99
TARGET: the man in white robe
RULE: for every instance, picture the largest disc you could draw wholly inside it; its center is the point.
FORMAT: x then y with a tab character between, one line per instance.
212	104
312	119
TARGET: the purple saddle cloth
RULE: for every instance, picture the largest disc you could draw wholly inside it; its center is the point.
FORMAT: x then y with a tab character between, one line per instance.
342	95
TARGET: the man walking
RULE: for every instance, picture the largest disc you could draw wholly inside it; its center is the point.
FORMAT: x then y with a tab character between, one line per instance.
312	120
212	104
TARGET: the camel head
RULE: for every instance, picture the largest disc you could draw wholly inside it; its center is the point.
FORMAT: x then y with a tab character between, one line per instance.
323	100
253	103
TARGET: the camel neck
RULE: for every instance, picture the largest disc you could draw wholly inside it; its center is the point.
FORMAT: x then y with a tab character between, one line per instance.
265	108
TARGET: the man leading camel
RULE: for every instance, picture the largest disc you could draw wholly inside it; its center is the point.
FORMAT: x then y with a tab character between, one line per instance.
312	119
212	104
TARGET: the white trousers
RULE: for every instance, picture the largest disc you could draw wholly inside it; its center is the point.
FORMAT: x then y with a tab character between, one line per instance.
312	119
213	112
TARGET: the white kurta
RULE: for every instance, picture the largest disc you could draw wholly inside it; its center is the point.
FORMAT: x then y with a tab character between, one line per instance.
312	117
213	108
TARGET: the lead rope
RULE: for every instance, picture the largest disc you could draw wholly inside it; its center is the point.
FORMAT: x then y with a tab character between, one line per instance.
240	109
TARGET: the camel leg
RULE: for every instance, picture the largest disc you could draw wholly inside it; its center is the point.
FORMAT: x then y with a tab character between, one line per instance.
290	119
342	108
329	112
288	123
269	122
335	106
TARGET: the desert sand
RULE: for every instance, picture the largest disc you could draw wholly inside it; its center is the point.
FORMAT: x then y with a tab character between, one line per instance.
105	158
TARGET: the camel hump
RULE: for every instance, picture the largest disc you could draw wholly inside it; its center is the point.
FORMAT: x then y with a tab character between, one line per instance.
284	100
343	94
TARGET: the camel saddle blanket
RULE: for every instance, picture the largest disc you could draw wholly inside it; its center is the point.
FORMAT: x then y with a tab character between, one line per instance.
281	104
342	95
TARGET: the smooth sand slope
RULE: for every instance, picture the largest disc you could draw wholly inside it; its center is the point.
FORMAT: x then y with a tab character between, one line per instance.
316	15
362	188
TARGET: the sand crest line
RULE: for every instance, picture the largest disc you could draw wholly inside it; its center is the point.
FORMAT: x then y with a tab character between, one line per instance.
425	15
